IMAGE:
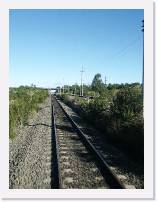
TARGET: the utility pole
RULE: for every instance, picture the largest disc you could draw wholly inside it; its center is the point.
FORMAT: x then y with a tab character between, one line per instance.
143	62
81	87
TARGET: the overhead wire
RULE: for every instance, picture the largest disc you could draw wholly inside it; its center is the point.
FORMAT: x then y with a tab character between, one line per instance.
122	51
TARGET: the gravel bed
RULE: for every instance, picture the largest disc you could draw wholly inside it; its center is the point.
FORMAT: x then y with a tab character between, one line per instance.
30	152
77	165
130	173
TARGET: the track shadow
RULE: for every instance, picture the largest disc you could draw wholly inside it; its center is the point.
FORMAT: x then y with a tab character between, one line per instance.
39	124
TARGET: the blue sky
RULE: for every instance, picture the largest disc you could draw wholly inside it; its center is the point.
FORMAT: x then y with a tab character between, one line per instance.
49	47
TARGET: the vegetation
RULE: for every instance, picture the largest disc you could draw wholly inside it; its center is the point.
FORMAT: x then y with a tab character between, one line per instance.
117	110
22	102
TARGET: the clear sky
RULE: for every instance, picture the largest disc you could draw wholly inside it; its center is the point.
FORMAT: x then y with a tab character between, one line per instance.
49	47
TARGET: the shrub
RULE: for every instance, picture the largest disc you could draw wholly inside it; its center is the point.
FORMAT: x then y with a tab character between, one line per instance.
127	104
23	101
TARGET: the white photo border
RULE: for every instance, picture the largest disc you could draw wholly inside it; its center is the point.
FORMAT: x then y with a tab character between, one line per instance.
149	129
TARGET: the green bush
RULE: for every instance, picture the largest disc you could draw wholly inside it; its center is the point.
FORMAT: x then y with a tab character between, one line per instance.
23	101
127	104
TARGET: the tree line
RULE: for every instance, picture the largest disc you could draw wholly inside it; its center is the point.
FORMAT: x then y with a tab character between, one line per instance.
96	88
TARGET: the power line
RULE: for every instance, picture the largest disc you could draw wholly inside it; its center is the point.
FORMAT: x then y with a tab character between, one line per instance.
122	51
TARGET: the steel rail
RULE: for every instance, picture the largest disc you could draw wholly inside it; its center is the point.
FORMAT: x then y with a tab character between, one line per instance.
110	177
55	154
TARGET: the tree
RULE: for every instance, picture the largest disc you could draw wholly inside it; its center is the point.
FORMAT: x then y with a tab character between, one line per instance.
97	84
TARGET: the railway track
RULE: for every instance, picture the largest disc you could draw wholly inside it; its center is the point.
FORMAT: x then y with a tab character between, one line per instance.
76	162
